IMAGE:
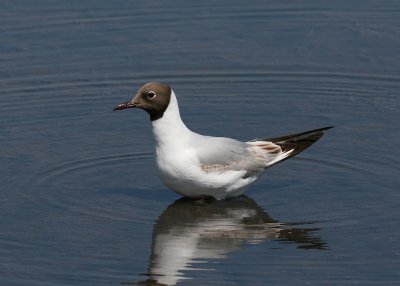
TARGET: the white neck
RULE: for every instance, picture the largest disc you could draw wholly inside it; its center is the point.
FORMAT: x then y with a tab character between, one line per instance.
170	127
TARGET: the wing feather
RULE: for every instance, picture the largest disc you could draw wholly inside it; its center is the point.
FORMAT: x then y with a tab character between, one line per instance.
220	154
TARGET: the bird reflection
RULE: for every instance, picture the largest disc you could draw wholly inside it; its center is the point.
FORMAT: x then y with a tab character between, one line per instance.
188	234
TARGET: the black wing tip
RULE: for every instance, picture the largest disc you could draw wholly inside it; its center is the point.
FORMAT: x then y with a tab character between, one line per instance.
318	129
297	143
298	135
325	128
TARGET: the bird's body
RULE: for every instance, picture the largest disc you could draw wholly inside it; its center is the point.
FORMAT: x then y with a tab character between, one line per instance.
200	166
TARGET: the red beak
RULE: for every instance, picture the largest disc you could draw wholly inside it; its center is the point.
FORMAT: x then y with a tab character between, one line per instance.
124	105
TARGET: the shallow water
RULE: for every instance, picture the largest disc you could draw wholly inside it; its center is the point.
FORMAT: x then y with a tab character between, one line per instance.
81	203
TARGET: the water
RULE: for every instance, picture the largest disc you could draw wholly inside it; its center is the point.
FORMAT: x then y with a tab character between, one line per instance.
80	201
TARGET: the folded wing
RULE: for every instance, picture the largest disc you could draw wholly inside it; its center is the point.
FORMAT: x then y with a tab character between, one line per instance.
291	145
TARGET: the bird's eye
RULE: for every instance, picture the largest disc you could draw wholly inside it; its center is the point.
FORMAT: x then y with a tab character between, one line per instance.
151	94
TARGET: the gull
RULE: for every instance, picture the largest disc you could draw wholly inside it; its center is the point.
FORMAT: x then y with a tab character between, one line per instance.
199	166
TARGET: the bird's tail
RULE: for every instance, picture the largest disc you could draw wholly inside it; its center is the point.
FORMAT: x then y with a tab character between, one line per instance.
292	145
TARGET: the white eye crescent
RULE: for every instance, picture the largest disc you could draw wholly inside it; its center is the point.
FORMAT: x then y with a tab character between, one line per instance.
151	94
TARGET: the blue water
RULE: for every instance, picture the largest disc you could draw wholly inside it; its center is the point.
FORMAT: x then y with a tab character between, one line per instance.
81	203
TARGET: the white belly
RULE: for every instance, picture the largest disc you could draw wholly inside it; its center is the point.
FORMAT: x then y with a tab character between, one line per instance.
182	174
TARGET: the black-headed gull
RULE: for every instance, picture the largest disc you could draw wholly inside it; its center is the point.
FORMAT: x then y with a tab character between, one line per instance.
199	166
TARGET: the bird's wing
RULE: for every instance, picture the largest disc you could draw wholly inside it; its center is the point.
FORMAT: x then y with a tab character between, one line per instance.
289	145
219	154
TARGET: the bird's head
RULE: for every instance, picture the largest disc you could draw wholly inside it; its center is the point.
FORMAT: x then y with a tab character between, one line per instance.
153	98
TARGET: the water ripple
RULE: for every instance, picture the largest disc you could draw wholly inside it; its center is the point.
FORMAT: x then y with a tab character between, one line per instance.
70	167
63	186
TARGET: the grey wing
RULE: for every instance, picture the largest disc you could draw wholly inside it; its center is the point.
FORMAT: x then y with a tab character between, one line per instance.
223	154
